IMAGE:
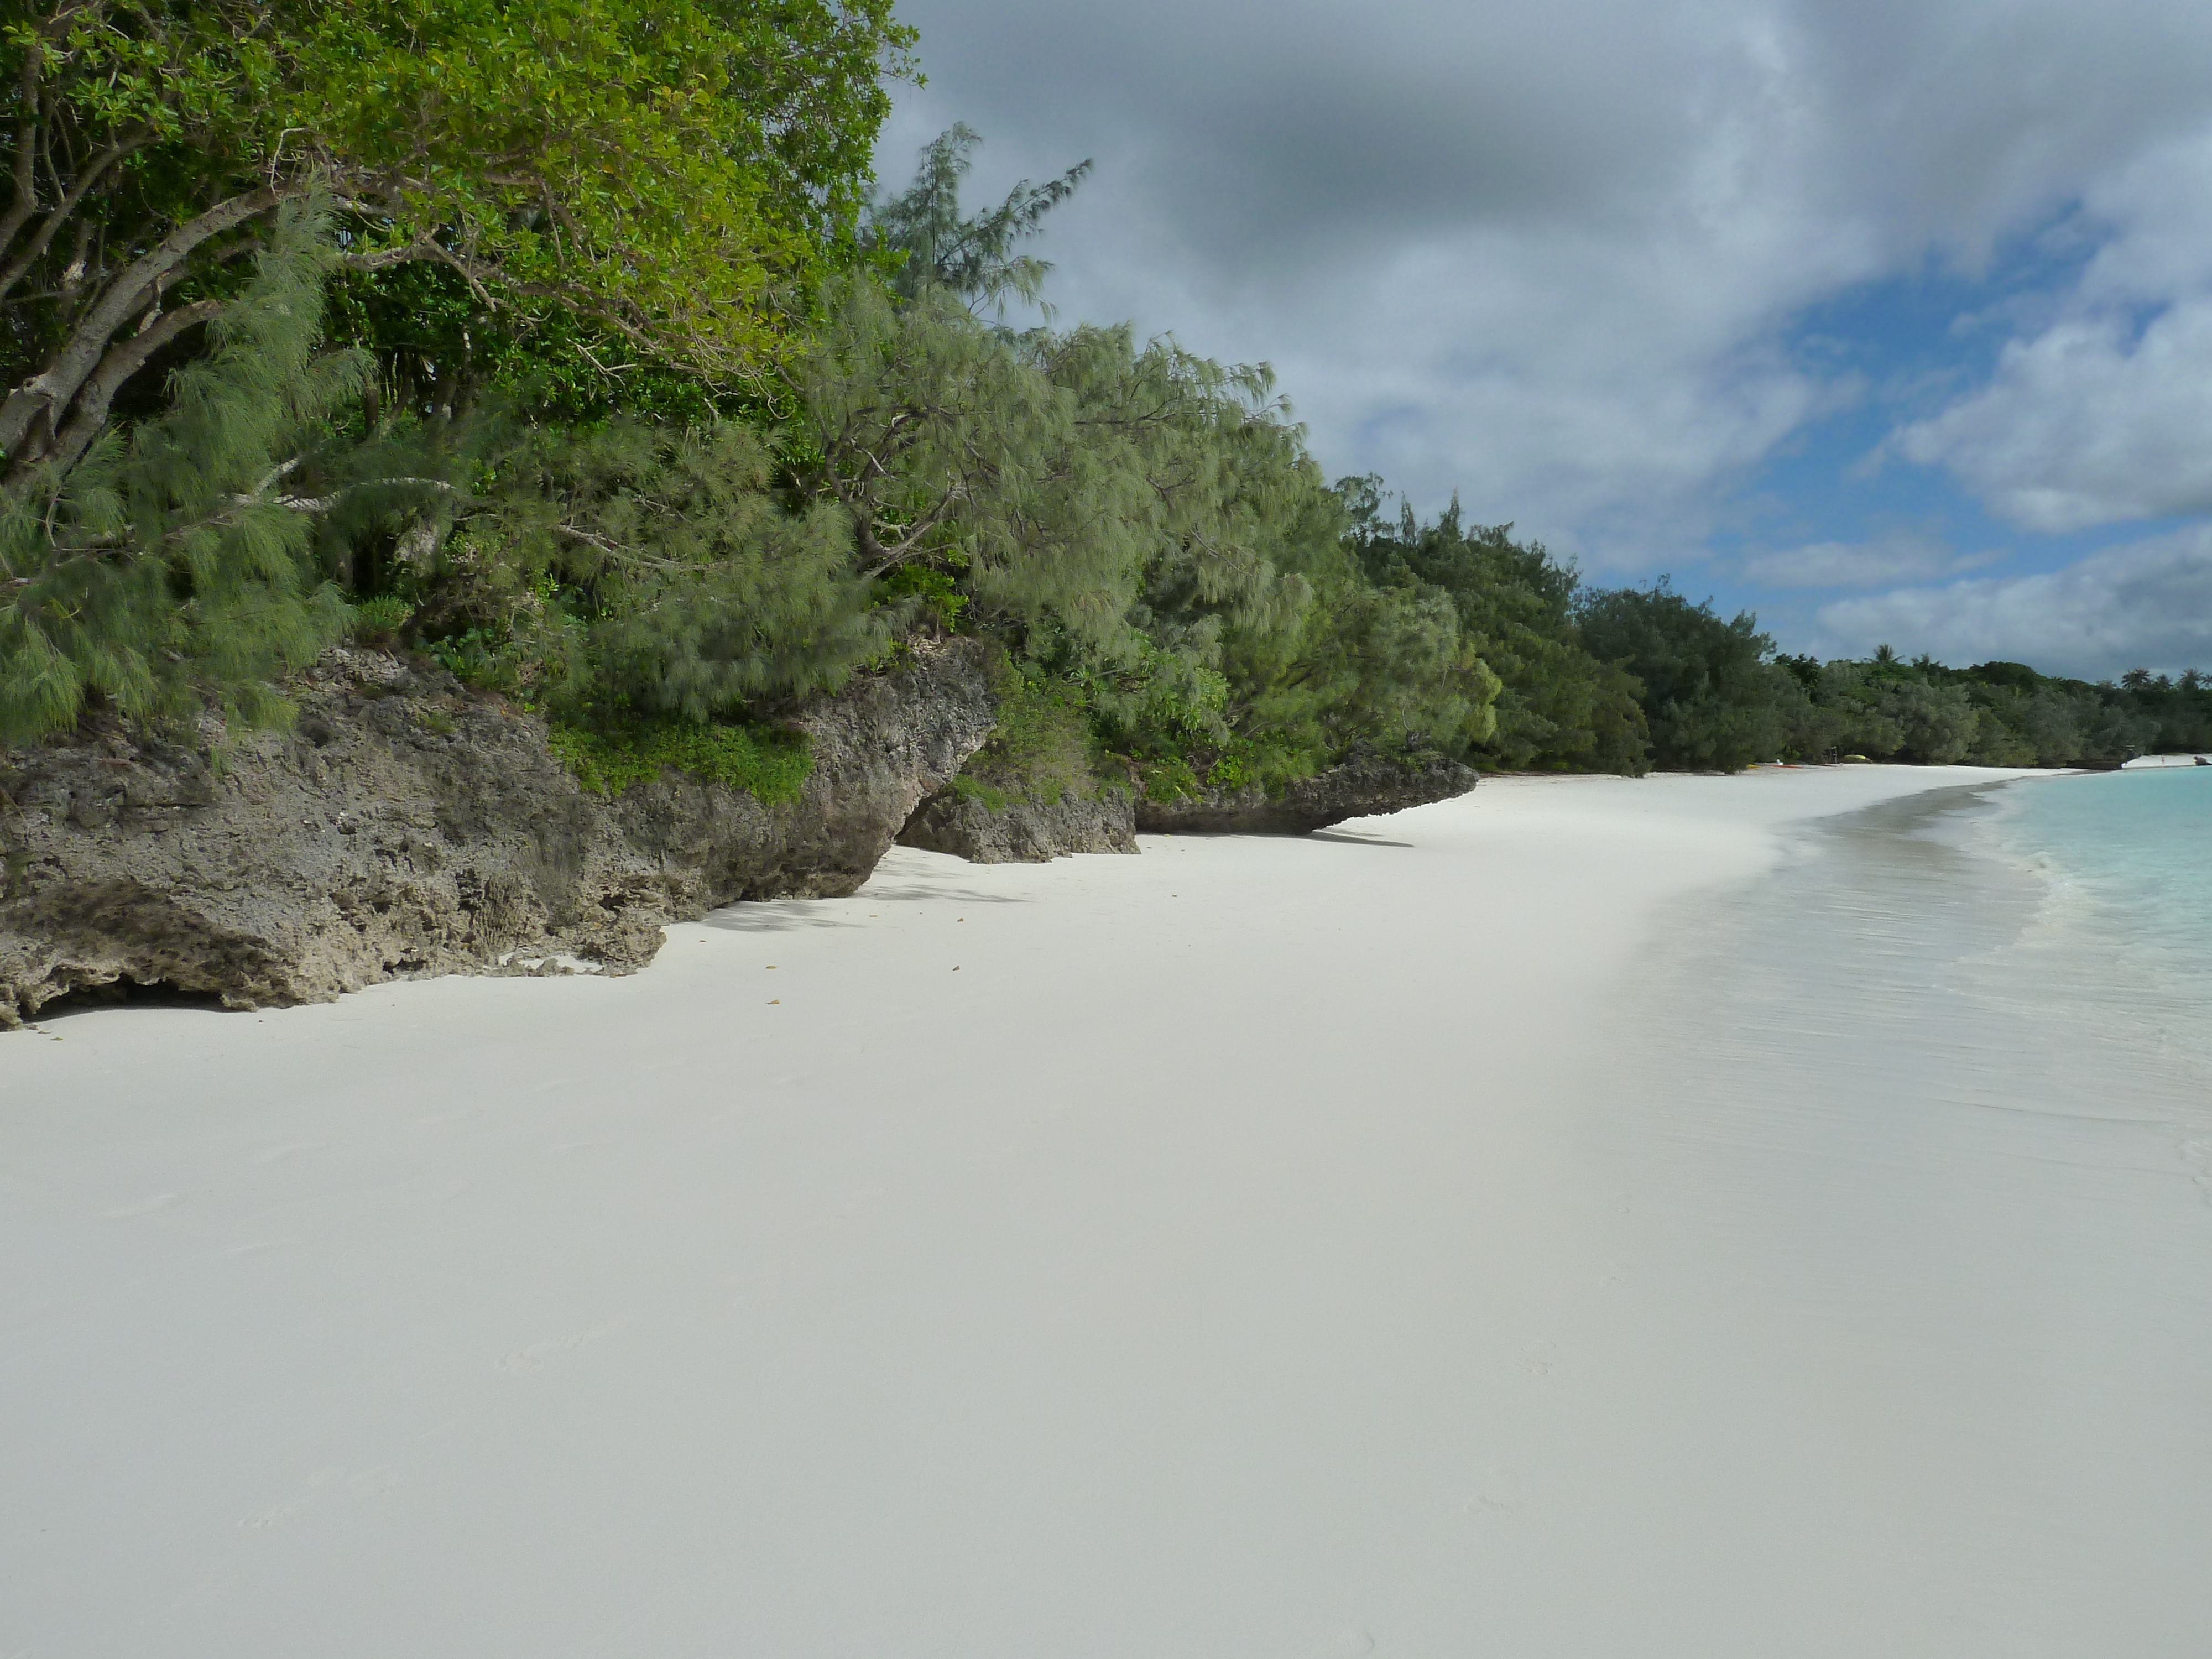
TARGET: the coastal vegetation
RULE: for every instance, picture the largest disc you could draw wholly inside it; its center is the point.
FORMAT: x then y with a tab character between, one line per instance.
572	347
1995	713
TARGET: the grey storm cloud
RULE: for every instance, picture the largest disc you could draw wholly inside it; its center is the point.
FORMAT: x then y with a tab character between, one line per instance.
1550	256
1312	129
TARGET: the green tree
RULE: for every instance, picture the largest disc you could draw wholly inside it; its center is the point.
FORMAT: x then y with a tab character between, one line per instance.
971	256
636	570
659	170
1387	668
1559	707
1887	710
1135	521
172	567
955	451
1714	698
1078	488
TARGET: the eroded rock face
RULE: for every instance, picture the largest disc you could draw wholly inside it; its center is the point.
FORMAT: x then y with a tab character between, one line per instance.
405	828
957	821
1022	832
1359	787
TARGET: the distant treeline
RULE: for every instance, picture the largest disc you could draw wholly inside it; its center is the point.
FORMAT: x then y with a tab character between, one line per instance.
1626	680
1993	713
575	348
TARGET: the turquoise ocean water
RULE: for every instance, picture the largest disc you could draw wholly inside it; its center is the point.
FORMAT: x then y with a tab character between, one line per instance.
2124	863
2042	943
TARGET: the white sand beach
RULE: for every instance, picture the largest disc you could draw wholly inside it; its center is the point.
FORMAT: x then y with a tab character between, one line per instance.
1256	1248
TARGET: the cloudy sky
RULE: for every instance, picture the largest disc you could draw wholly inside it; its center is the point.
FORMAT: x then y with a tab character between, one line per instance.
1891	319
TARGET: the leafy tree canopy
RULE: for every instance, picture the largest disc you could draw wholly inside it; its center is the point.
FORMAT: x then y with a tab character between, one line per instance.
1714	699
660	169
1560	705
171	570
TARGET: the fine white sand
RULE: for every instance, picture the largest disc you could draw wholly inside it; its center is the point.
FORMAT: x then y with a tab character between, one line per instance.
1246	1249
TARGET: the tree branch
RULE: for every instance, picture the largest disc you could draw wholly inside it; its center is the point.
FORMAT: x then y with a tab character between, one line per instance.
85	180
125	358
56	385
420	248
27	139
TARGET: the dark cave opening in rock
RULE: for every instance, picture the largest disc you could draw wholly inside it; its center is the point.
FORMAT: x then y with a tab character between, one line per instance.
128	992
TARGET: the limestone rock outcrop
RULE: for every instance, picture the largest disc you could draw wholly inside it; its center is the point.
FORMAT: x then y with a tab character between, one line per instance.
1363	784
1021	831
1013	828
405	827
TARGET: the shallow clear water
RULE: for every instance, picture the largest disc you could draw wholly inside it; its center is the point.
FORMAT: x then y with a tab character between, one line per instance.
1932	1102
2124	860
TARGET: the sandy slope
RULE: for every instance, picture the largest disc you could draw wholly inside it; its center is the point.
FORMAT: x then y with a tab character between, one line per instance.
1196	1255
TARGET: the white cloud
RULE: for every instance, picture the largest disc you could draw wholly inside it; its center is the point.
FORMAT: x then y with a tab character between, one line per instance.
1557	258
2104	415
1898	556
2145	605
1535	256
1549	255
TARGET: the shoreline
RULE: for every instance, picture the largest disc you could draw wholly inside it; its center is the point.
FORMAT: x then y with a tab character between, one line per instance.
1968	1204
1221	1250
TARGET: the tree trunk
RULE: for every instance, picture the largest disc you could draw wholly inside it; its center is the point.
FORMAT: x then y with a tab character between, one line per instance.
52	391
124	359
